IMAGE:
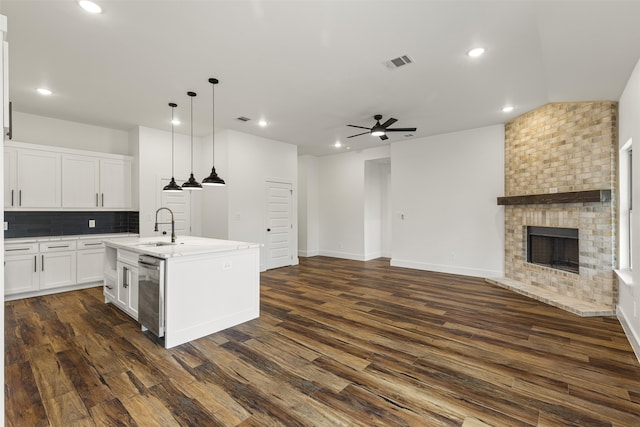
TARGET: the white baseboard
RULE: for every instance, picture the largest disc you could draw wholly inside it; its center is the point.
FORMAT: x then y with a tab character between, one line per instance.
633	338
306	254
343	255
372	255
450	269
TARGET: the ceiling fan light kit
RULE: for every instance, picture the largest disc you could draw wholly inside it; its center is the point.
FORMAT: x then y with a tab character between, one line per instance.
380	130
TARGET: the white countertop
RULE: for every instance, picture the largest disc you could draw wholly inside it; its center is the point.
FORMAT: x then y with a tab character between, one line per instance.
184	245
69	237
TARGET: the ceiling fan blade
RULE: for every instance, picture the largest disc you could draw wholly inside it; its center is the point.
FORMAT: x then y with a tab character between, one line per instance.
401	130
389	122
363	133
383	137
360	127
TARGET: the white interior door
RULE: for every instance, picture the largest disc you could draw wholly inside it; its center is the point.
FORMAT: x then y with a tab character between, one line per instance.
279	225
180	204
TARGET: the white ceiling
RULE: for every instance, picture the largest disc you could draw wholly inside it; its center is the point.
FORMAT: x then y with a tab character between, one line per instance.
312	67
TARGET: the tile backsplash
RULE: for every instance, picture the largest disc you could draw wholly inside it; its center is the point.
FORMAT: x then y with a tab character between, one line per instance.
39	224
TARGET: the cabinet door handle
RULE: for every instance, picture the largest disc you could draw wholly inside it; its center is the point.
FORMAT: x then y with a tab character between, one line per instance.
42	262
17	249
125	270
19	197
103	200
11	197
35	263
92	244
10	133
108	287
58	246
97	200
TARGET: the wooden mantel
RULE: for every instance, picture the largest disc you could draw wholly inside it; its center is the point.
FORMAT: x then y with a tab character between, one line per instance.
547	199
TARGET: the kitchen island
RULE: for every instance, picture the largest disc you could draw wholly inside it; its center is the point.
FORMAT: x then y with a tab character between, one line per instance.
205	285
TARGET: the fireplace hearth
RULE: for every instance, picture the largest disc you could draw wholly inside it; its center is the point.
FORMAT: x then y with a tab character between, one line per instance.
553	247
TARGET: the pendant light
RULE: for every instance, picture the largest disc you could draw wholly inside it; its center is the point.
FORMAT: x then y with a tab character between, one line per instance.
172	187
213	179
191	183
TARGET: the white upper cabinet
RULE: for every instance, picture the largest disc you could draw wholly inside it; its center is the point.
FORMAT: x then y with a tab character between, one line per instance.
38	179
10	178
115	183
80	181
65	179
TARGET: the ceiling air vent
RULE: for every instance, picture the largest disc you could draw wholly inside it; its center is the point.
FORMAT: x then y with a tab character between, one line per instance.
243	119
398	62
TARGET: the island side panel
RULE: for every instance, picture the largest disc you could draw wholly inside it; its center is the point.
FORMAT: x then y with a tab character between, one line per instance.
210	292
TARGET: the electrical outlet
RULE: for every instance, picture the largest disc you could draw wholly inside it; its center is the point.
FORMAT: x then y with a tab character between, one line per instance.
227	265
6	226
92	223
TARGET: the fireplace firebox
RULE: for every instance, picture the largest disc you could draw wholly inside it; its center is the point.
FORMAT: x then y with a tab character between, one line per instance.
553	247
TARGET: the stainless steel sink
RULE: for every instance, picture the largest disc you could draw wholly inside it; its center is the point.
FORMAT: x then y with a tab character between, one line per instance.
155	244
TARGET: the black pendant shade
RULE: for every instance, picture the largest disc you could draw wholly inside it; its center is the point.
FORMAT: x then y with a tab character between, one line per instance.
172	186
191	183
213	179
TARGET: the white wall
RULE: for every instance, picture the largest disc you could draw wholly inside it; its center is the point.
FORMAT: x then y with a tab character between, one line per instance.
308	221
62	133
629	128
341	185
214	216
387	217
446	187
154	151
373	208
252	161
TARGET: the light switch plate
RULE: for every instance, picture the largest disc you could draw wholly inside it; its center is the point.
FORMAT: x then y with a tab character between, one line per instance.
92	223
6	226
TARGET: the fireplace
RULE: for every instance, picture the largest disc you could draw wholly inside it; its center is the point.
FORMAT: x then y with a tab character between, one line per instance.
553	247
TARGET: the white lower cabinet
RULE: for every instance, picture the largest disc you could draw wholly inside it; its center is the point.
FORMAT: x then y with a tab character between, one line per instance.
57	269
127	285
31	267
21	272
44	266
90	261
57	264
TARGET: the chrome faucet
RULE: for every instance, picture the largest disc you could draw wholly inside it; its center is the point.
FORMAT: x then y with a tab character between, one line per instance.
173	224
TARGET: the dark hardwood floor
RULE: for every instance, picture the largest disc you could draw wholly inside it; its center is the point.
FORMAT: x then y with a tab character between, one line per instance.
337	343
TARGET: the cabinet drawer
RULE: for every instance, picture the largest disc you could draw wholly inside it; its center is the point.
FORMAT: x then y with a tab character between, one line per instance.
128	257
20	248
57	246
90	244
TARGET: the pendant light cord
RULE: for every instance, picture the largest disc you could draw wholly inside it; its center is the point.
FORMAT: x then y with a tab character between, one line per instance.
192	133
213	123
172	150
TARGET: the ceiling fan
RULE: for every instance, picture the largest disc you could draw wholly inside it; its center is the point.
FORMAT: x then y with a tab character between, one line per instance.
381	129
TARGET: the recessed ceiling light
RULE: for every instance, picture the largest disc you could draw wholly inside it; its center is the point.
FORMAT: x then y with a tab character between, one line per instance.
507	108
262	123
175	122
337	144
90	6
476	52
44	91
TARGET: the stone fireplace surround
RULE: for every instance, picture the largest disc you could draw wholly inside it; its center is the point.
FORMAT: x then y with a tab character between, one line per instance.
556	150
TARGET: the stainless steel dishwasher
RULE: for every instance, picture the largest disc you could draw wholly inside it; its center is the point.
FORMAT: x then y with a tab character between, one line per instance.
151	294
